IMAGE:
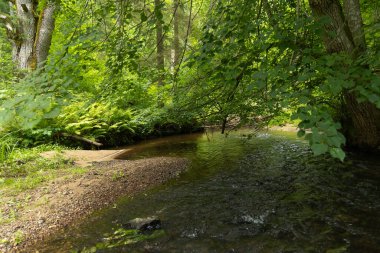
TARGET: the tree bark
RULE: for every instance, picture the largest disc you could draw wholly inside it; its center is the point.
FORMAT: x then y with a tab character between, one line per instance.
160	43
362	126
25	14
343	32
30	34
176	46
351	9
337	36
45	33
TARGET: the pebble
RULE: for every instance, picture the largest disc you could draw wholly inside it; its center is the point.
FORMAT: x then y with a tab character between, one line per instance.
41	221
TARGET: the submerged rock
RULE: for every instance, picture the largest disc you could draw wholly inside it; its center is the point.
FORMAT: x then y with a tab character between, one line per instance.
144	224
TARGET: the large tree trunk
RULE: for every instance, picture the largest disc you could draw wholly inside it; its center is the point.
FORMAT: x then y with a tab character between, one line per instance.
344	33
362	125
45	33
29	32
25	14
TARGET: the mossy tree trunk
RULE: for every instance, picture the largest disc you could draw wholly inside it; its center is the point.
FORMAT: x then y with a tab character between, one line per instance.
30	31
344	33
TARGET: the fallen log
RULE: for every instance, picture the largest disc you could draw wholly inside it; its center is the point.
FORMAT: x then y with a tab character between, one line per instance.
80	138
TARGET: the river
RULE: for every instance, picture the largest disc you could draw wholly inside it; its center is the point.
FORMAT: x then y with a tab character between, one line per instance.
262	194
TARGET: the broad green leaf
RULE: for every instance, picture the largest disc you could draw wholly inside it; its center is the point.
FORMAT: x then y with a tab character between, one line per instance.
337	153
335	141
53	113
319	148
335	88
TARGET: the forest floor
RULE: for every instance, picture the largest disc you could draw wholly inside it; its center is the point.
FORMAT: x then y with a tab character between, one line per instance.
33	215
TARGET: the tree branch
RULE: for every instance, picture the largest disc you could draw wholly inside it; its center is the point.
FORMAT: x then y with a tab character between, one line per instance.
80	138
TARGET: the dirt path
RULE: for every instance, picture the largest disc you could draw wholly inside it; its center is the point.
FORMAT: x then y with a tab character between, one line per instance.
86	157
66	200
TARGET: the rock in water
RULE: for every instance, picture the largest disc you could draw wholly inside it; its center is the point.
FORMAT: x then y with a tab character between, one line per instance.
144	224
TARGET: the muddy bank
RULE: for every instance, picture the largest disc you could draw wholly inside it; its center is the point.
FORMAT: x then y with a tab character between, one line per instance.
65	201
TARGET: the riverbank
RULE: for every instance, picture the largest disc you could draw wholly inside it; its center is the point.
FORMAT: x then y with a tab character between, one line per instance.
34	215
285	128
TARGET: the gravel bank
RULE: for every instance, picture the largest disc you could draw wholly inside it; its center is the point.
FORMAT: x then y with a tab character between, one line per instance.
65	201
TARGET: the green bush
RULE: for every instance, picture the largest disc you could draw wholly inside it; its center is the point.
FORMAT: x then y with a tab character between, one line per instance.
98	121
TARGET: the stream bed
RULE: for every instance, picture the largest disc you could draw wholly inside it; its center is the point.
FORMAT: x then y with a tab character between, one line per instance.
262	194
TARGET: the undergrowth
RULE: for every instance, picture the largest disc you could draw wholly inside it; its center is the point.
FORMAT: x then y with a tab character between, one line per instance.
25	168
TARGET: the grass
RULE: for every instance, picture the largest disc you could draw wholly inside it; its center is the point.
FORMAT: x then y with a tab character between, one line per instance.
18	237
7	218
118	175
7	146
24	168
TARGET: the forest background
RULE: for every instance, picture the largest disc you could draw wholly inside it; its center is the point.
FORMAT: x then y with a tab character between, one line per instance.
91	72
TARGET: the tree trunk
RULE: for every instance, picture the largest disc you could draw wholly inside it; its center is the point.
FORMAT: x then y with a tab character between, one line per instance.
344	33
27	22
176	46
120	5
160	43
351	9
362	126
45	33
30	35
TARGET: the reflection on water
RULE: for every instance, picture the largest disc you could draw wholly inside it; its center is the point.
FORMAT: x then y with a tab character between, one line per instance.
265	194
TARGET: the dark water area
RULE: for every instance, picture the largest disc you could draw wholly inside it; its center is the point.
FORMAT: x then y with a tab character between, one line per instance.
264	194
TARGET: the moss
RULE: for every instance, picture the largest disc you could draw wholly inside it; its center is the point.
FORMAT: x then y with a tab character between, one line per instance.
123	237
128	236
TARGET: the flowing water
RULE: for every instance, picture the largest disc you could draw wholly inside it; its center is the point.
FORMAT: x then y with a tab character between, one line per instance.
263	194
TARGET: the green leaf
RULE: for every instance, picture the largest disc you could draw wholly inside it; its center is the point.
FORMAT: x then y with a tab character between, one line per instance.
335	141
319	148
53	113
335	89
304	99
308	136
301	133
31	124
331	131
294	116
337	153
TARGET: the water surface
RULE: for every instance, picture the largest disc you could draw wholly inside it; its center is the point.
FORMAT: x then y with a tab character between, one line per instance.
264	194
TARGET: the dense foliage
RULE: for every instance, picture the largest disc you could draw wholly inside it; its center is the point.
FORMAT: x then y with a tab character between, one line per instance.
251	62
